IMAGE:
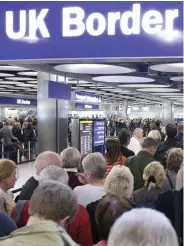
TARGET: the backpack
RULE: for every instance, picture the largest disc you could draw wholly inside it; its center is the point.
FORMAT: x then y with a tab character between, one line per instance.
18	212
29	135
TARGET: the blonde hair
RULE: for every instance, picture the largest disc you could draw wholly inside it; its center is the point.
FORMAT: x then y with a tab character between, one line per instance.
153	175
155	134
6	168
174	159
119	182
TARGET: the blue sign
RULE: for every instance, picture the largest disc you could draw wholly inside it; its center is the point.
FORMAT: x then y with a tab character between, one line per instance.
18	101
96	29
99	133
59	90
86	106
87	97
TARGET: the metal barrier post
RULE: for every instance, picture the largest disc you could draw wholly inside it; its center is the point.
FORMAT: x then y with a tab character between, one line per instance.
29	151
18	156
3	151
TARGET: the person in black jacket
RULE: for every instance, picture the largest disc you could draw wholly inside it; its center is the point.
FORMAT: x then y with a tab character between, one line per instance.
170	142
171	204
43	160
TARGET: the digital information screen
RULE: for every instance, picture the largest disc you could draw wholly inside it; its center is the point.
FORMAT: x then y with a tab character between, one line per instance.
86	136
99	133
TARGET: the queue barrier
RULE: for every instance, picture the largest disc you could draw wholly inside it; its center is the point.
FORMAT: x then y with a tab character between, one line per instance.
30	152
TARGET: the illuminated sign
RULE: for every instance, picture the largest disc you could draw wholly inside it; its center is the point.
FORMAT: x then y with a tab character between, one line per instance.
23	102
90	30
87	98
86	106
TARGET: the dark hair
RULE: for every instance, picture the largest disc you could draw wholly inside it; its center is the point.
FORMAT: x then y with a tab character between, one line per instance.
29	125
108	210
1	125
112	150
150	143
124	137
171	130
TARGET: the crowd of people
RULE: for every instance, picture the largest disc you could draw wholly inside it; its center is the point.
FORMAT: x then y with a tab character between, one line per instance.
130	195
18	134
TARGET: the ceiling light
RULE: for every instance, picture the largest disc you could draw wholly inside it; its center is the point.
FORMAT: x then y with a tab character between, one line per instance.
169	67
143	86
158	90
135	108
145	108
6	75
9	82
29	73
93	69
123	79
20	78
166	94
12	68
177	79
25	85
33	82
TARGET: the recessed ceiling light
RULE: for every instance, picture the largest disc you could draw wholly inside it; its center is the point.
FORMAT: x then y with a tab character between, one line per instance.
158	90
169	67
33	82
6	75
29	73
177	79
93	69
12	68
9	82
143	86
25	85
173	95
20	78
166	94
123	79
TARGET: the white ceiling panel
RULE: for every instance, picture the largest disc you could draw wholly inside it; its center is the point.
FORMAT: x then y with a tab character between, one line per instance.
93	69
158	90
169	67
12	68
20	78
29	73
143	86
123	79
177	79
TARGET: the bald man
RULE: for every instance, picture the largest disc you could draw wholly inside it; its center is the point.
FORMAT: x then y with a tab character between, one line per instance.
43	160
135	141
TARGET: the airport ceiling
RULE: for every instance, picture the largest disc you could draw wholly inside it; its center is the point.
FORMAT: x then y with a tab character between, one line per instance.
141	83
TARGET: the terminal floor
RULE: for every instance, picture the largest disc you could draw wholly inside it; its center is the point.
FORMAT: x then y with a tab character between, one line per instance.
24	172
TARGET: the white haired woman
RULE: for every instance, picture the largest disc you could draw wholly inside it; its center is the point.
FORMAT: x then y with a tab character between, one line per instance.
153	176
174	160
155	134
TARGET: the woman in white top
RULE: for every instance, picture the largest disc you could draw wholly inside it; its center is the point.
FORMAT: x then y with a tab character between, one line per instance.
94	170
7	181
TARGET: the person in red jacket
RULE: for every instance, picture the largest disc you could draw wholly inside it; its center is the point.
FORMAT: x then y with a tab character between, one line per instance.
79	229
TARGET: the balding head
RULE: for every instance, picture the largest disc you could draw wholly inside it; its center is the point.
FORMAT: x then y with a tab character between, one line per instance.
46	159
138	133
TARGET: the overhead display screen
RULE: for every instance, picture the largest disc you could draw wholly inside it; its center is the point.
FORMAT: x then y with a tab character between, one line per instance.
86	136
99	133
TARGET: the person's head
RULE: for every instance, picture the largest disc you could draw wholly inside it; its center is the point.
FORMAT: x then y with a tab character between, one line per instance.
94	166
171	130
7	174
10	121
124	137
70	157
174	159
17	125
53	201
53	173
150	145
142	227
138	133
46	159
180	127
153	175
119	182
109	209
155	134
112	150
29	125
